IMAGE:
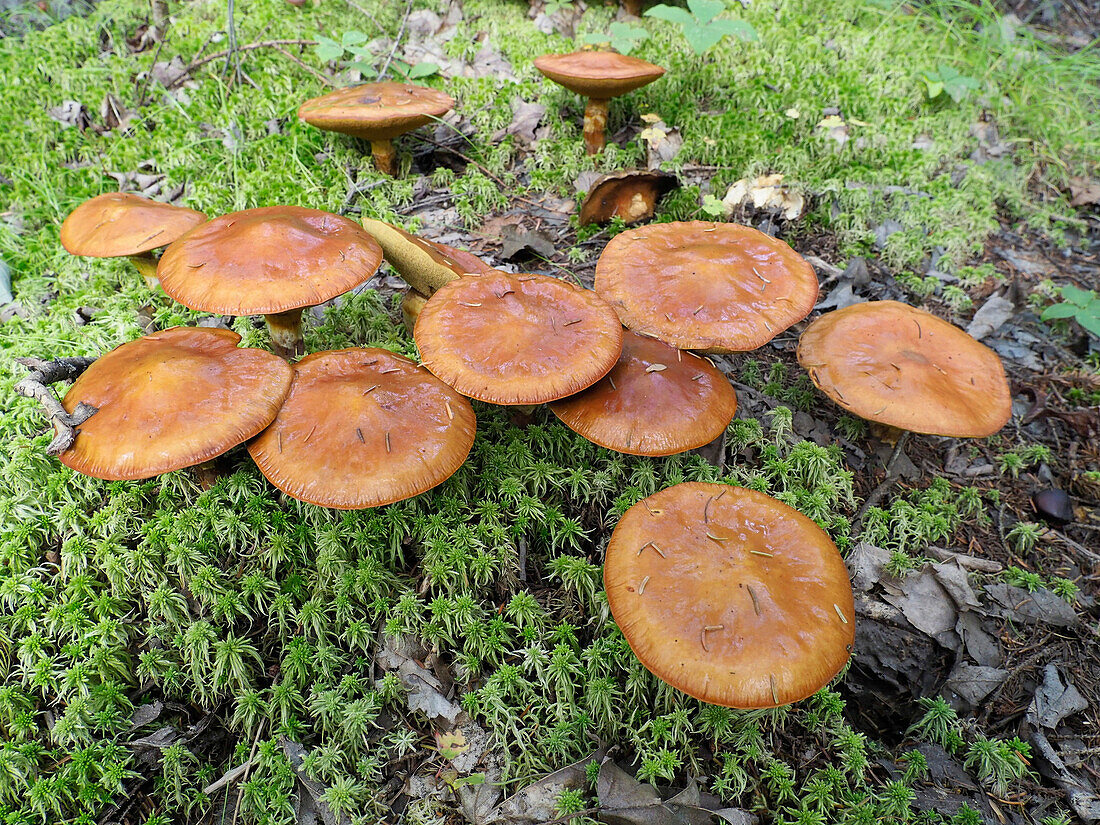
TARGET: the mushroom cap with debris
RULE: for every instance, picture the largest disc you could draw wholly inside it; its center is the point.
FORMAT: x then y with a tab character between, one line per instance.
376	111
268	260
517	339
599	75
888	362
118	224
656	401
363	428
171	400
716	287
730	595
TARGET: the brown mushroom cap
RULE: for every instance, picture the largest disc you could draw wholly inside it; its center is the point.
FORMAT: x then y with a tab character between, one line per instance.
170	400
631	195
363	428
517	339
600	75
656	401
717	287
269	260
729	595
119	223
892	363
376	111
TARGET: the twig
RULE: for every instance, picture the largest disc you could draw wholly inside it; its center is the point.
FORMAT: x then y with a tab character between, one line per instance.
305	66
231	30
210	58
35	386
473	162
247	770
366	14
888	482
396	41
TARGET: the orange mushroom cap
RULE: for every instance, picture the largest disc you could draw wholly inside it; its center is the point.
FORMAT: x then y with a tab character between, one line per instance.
363	428
170	400
717	287
892	363
376	111
656	401
117	224
729	595
599	75
268	260
517	339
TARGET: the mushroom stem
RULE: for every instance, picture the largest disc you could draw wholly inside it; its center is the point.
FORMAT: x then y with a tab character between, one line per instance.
633	7
286	333
595	125
411	305
146	264
385	157
206	474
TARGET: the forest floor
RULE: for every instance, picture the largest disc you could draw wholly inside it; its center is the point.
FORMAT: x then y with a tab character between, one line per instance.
175	654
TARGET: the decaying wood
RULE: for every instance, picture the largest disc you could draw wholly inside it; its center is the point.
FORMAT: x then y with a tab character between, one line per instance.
36	386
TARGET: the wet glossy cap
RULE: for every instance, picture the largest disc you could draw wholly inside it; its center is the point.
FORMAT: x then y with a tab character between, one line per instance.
892	363
119	223
376	111
423	264
363	428
656	401
268	260
600	75
172	400
729	595
717	287
517	339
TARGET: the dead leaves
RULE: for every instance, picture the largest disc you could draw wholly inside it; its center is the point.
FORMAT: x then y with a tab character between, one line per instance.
767	192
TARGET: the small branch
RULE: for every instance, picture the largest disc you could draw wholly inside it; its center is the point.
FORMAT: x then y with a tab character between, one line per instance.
36	386
210	58
473	162
396	42
888	482
305	66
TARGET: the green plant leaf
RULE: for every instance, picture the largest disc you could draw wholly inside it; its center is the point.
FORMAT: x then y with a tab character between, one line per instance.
1090	323
422	69
700	39
1078	296
935	87
353	38
328	49
706	10
1058	311
741	29
673	14
713	206
365	69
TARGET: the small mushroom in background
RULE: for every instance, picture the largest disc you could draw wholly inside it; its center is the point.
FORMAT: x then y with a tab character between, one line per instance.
897	365
363	428
274	261
377	112
424	265
1053	506
598	76
730	595
517	339
121	224
170	400
714	287
631	195
656	401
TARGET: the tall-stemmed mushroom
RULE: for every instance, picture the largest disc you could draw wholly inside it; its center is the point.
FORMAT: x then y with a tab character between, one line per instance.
378	112
598	76
120	224
274	261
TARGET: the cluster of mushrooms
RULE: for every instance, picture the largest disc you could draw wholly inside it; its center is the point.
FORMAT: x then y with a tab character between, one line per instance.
771	616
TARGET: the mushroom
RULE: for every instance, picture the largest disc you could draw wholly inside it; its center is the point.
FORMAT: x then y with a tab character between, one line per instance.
362	428
715	287
171	400
598	76
422	264
631	195
378	112
273	261
730	595
654	402
119	224
517	339
900	366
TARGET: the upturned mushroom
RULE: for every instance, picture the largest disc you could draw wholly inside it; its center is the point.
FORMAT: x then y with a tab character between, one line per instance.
517	339
715	287
362	428
274	261
120	224
656	401
377	112
631	195
597	76
730	595
171	400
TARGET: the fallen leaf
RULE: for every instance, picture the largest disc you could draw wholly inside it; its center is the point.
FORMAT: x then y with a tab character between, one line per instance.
518	242
1084	191
1040	607
835	128
5	283
972	683
538	801
450	745
71	113
1054	701
767	192
424	690
626	801
990	316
